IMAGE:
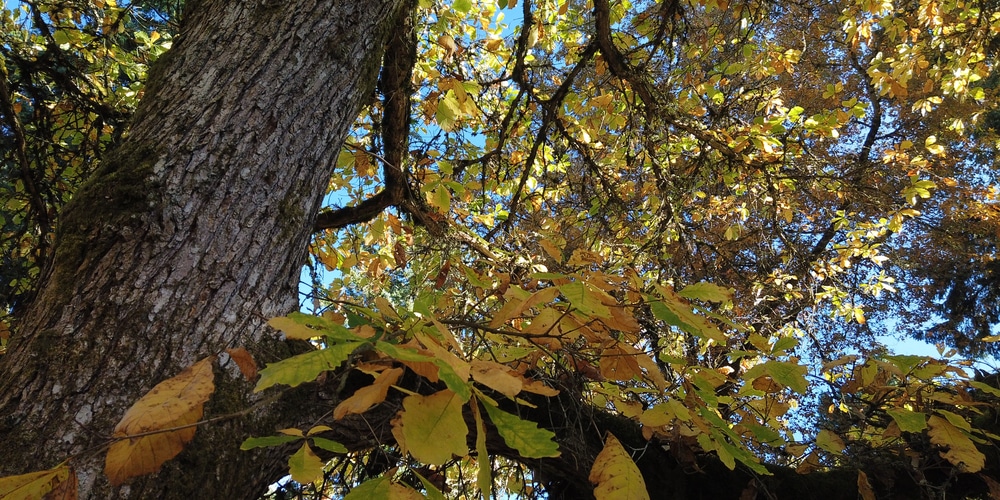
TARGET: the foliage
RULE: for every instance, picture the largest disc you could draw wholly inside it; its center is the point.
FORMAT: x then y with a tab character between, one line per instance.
694	215
72	76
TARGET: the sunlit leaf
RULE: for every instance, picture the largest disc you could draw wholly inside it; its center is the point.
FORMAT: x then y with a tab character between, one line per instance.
432	427
959	449
615	474
523	435
305	367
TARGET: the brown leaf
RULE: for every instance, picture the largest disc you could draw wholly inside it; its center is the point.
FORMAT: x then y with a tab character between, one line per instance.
865	487
175	402
618	363
244	361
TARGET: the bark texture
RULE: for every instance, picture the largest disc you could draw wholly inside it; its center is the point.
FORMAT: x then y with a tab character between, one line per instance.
189	237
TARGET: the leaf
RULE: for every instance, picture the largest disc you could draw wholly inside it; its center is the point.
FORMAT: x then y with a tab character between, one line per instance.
329	445
908	421
57	483
304	466
261	442
175	402
523	435
305	367
433	493
865	487
483	476
586	301
786	373
829	441
961	451
497	377
448	111
371	489
244	361
432	427
382	488
367	397
674	310
620	364
293	329
615	475
708	292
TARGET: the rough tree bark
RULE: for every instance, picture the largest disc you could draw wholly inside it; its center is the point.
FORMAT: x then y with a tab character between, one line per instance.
189	237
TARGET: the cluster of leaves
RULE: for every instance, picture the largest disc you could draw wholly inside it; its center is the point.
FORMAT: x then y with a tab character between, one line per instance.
72	76
686	213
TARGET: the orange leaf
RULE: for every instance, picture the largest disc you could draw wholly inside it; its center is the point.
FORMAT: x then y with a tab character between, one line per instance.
244	361
367	397
175	402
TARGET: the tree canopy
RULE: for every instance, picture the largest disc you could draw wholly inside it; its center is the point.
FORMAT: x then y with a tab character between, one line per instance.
685	226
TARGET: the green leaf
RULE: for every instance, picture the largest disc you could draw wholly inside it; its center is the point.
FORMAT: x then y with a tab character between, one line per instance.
370	490
830	441
786	373
305	367
522	435
908	421
448	111
304	466
483	478
585	301
708	292
261	442
329	445
462	6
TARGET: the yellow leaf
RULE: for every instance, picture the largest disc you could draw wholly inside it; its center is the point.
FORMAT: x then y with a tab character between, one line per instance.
367	397
175	402
304	466
615	475
497	377
292	329
432	428
961	451
551	249
385	307
460	366
54	484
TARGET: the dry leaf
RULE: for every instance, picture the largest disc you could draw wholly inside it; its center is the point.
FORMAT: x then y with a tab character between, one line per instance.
244	361
175	402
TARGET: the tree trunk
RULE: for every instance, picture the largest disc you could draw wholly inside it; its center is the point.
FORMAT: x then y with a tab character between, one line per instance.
189	237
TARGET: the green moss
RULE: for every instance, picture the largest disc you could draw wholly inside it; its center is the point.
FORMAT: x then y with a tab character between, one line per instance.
111	201
291	215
